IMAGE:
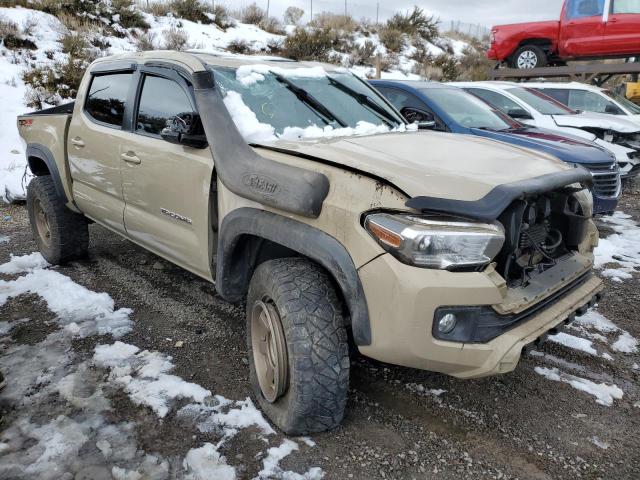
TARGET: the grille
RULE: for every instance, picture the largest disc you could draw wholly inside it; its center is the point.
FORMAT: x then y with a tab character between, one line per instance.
606	181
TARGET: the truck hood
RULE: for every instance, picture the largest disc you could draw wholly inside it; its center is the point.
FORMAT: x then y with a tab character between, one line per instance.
597	120
570	150
443	165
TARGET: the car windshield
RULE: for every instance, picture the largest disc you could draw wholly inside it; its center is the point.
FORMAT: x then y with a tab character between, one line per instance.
540	102
628	104
267	103
467	110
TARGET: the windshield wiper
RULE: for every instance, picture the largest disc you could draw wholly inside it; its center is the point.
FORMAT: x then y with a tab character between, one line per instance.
363	99
309	100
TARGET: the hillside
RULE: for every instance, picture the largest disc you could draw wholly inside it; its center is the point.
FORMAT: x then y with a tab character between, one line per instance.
45	49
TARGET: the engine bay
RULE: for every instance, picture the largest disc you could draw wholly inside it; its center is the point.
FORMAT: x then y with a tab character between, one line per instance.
539	230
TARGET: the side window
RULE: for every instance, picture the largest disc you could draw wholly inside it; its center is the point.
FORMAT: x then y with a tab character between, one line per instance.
625	6
107	97
584	8
559	94
592	102
495	99
401	99
160	101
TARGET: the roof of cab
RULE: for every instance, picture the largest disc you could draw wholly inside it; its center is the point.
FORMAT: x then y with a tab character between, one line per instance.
196	59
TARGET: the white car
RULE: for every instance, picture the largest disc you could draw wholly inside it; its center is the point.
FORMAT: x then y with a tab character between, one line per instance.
619	136
589	98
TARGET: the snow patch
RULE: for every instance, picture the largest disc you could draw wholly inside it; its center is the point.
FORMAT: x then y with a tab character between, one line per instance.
599	443
143	376
24	263
206	463
271	464
4	239
604	394
621	248
625	343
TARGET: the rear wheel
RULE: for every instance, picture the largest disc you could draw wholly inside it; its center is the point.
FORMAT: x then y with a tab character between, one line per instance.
298	348
529	56
61	234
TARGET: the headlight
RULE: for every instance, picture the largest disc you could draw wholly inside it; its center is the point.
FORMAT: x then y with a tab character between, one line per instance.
436	242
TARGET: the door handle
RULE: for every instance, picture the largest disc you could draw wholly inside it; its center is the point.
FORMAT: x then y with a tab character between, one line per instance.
130	157
77	141
613	20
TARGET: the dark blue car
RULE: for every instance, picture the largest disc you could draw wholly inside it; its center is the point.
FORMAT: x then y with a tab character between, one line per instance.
450	109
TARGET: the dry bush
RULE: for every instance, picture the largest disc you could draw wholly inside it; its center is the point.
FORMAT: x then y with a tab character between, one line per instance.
175	39
393	39
253	14
193	10
362	54
221	17
293	15
474	65
415	24
304	44
239	46
12	37
332	21
74	44
272	25
130	16
274	46
146	42
443	68
158	9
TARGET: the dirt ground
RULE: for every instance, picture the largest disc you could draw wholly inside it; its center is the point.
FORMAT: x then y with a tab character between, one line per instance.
520	425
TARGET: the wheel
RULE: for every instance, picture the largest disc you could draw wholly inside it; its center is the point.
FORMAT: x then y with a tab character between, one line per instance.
298	347
61	234
529	56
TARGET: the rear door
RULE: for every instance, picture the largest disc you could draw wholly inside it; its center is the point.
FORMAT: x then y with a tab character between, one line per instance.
166	186
622	31
98	125
582	28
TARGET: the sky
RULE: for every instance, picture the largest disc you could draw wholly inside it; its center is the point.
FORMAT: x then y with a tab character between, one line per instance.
481	12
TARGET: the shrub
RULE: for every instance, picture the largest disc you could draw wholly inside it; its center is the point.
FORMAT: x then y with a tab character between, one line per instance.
175	39
449	67
146	42
253	14
415	24
362	54
239	46
12	37
193	10
274	46
474	65
332	21
74	44
272	25
392	38
158	9
129	15
221	17
293	15
305	44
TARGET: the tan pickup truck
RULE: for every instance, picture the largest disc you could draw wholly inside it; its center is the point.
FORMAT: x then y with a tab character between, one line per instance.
298	187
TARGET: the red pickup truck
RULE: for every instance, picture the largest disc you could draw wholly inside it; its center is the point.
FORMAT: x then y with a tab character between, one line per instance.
587	29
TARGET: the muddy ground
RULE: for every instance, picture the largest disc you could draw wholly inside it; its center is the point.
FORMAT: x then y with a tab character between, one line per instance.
519	425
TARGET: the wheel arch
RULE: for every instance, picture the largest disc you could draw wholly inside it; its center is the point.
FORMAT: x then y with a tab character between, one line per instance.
249	236
42	162
545	43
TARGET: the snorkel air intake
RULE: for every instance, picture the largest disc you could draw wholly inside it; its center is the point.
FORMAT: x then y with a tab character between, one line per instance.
246	173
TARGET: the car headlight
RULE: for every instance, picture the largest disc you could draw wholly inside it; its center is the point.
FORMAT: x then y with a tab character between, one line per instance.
436	242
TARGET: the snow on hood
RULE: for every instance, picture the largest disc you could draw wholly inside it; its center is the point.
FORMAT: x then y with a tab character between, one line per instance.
597	120
445	165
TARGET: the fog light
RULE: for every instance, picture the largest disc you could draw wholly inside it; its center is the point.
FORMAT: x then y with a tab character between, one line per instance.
447	323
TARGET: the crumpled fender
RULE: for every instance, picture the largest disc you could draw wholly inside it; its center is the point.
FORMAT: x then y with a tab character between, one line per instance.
246	173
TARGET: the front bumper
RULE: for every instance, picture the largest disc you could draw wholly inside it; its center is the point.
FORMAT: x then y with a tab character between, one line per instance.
402	301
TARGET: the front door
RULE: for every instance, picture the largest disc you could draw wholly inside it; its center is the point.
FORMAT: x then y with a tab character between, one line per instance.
582	28
166	186
97	128
622	32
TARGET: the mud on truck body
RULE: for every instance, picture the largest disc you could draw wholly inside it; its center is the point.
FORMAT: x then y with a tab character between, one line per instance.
426	262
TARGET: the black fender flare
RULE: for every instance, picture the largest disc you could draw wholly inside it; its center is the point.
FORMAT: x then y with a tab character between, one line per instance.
43	153
234	269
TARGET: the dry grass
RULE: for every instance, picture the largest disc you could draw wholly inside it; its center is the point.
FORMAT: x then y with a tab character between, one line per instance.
175	39
338	23
393	39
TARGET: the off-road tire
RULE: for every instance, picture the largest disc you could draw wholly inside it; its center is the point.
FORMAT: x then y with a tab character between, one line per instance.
312	320
69	231
540	55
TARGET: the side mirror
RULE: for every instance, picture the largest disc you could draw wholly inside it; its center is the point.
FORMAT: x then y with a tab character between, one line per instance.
519	114
425	120
185	129
611	109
